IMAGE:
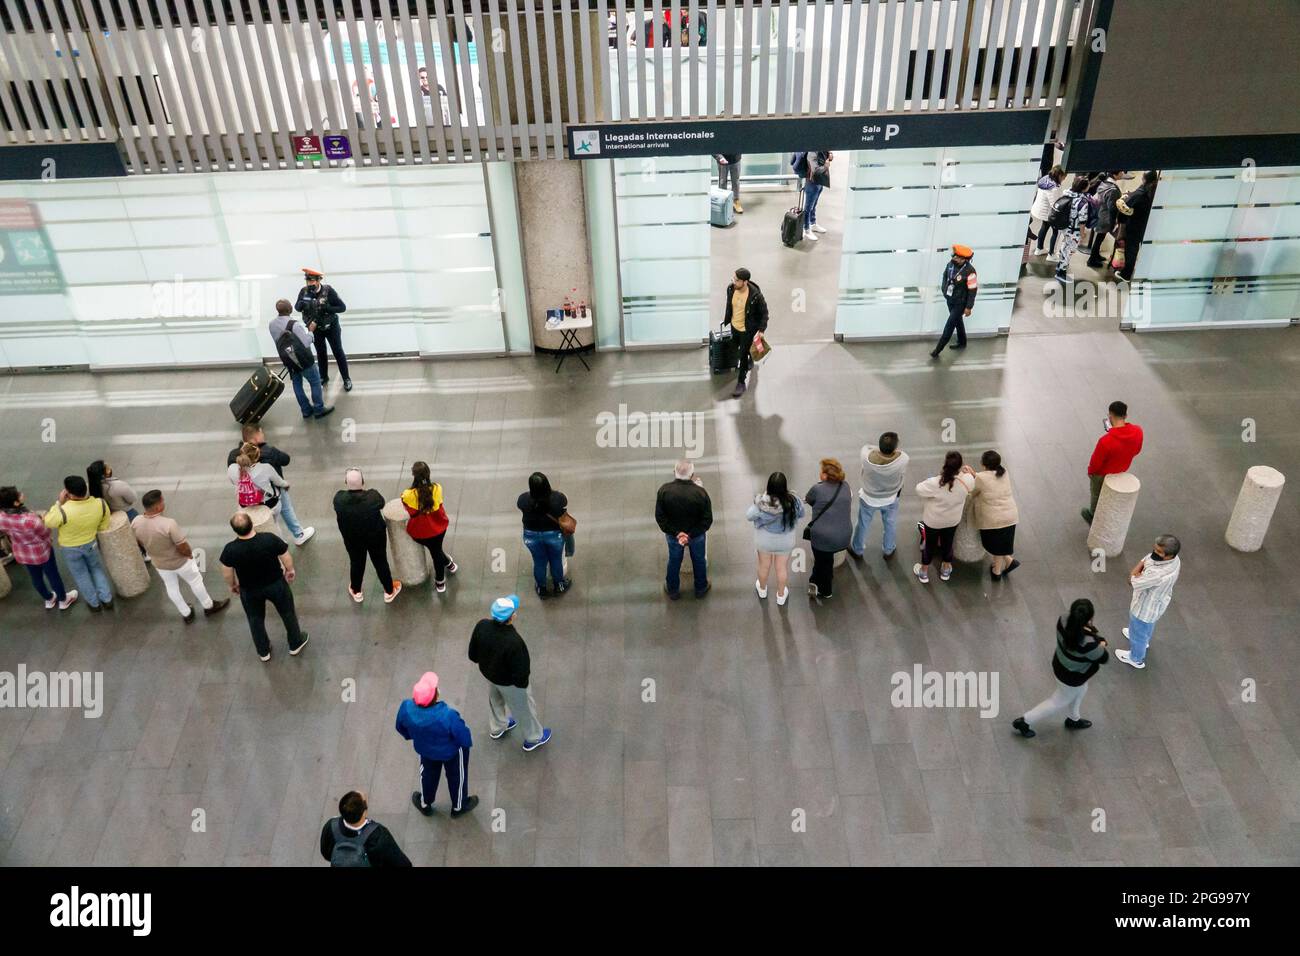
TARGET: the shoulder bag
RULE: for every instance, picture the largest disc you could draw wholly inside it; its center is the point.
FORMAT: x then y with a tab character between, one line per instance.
807	529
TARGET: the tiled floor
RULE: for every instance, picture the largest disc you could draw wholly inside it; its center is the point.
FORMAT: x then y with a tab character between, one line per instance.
770	738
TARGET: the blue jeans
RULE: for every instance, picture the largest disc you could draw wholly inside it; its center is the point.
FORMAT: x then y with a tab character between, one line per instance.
888	517
88	571
47	573
547	549
698	564
312	375
1139	636
287	513
811	193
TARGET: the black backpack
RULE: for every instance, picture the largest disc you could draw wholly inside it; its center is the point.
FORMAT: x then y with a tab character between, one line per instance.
1061	213
350	847
292	352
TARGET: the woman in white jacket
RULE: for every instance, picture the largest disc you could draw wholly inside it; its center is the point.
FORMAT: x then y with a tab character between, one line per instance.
1049	190
945	498
263	477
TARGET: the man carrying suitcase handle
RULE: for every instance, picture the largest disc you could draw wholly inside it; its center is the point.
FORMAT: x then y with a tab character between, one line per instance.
299	361
747	315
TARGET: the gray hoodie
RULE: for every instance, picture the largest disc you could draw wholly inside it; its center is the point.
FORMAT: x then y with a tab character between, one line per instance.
882	476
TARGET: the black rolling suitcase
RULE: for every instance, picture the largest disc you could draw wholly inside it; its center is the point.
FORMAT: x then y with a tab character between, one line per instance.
792	223
255	398
722	351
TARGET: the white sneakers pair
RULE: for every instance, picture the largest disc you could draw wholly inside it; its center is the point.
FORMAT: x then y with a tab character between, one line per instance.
811	232
780	598
63	605
1127	656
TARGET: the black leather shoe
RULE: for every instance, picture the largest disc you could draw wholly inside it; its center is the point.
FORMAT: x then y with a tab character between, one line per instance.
934	354
956	347
672	596
327	410
1024	729
416	802
1080	724
470	804
347	385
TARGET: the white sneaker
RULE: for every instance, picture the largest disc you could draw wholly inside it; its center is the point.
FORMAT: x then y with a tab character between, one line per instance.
782	598
1124	631
1127	658
762	591
922	573
305	537
1053	257
357	596
810	235
67	602
817	228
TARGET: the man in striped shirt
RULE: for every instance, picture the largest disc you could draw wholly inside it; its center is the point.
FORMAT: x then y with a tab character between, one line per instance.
1152	581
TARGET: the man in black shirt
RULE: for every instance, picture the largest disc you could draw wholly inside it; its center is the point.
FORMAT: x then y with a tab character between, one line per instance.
502	657
258	568
361	522
684	513
353	839
277	459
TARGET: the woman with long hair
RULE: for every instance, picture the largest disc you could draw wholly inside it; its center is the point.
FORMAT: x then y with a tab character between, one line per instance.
428	523
542	508
1080	651
831	526
945	497
116	493
995	514
256	482
774	514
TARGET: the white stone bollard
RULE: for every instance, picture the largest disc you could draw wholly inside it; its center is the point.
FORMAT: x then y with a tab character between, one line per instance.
410	560
840	558
122	559
966	544
5	584
263	520
1260	491
1115	509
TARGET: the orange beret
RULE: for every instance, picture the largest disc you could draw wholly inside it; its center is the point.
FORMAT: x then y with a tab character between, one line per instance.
964	251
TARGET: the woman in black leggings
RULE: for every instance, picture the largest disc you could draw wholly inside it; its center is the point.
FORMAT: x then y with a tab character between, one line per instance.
428	522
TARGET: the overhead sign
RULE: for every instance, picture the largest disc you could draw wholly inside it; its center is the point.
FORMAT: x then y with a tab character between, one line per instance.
864	131
27	262
337	147
306	148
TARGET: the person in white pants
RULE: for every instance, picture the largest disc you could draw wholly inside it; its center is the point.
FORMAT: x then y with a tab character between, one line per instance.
172	557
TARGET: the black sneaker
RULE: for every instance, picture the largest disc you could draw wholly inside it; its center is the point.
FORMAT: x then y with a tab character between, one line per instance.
189	618
934	354
1080	724
1024	728
295	651
956	347
347	385
324	380
672	595
107	605
217	607
470	804
95	607
419	804
564	585
543	593
327	410
708	586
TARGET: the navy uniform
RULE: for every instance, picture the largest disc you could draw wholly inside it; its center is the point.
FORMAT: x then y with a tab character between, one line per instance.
325	306
960	283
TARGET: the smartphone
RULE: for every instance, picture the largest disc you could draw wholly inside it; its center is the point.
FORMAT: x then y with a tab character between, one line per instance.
1105	424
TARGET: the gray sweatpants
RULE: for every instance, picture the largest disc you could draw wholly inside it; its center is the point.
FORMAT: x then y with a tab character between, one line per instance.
504	702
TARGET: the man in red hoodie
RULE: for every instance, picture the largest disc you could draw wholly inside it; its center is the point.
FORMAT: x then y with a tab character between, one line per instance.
1114	453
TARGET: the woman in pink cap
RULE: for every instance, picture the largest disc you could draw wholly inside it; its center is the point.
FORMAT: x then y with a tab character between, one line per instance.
442	740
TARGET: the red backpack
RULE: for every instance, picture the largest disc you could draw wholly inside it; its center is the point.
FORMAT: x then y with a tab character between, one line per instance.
249	493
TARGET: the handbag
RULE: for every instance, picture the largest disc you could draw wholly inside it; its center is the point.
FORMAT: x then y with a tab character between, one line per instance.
807	530
567	522
760	348
1118	261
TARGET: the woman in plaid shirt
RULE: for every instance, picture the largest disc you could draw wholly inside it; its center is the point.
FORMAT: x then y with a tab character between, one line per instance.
32	548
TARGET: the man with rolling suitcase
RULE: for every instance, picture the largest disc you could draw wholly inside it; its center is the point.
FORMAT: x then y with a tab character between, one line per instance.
293	344
747	317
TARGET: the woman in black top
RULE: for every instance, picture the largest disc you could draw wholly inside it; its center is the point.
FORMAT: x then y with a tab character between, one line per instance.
1080	651
542	509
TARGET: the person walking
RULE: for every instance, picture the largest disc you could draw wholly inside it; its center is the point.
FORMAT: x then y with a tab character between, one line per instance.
746	314
543	509
79	518
119	496
1048	191
945	498
293	344
1113	454
502	658
1076	214
995	514
172	557
774	513
1080	652
831	527
443	742
1135	210
360	514
1107	195
428	522
960	283
259	568
256	483
321	307
817	176
884	470
353	839
684	514
729	170
30	543
270	455
1152	580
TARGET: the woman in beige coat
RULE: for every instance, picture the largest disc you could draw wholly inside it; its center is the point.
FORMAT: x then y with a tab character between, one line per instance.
996	514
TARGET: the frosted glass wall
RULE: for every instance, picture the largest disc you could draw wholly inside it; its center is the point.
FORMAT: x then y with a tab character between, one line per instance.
1222	247
906	207
185	270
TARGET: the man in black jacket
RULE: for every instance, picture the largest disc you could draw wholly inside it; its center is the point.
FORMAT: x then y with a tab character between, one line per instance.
352	839
320	306
747	315
1135	210
278	460
684	514
502	657
359	511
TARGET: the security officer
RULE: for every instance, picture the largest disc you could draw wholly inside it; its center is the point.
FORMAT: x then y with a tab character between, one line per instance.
959	286
320	306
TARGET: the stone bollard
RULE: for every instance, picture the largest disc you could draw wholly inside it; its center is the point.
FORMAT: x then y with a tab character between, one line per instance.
263	519
5	584
122	559
966	544
410	560
840	558
1115	509
1259	495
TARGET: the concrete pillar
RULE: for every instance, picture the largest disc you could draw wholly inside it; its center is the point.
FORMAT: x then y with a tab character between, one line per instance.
1115	509
263	519
5	584
966	544
1256	501
410	561
557	256
122	559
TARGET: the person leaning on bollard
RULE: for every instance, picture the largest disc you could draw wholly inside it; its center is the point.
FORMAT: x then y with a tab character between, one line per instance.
1119	444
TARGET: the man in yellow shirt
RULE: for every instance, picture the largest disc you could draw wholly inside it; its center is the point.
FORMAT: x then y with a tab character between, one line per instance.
747	316
78	519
